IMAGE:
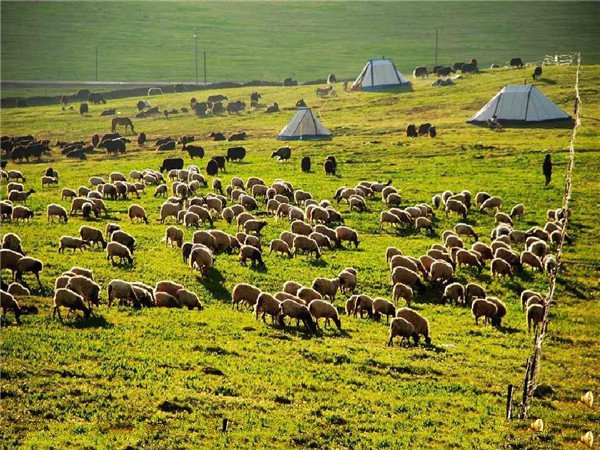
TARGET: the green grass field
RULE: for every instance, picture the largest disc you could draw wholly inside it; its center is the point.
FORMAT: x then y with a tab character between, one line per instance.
153	41
103	382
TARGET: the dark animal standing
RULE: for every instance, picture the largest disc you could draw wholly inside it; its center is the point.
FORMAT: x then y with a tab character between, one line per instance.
186	140
432	132
537	72
331	78
114	146
126	121
305	164
235	154
424	129
411	131
469	68
457	66
237	136
141	139
171	164
255	97
194	151
516	62
444	71
330	167
420	72
95	139
282	154
217	108
200	108
547	168
236	107
216	98
96	98
110	136
212	168
220	160
84	108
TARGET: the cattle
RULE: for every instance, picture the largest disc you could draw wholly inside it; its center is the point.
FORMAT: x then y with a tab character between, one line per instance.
113	146
424	129
95	139
141	139
212	167
194	151
411	131
186	139
331	78
330	167
457	66
96	98
220	160
473	61
200	108
236	107
235	154
516	62
217	108
216	98
255	97
217	136
21	103
444	71
77	154
237	136
142	104
537	72
110	136
305	164
155	91
432	132
469	68
420	72
301	103
109	112
282	154
83	95
171	164
36	151
84	108
169	145
273	108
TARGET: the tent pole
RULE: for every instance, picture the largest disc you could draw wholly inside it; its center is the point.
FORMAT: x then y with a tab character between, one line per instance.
436	47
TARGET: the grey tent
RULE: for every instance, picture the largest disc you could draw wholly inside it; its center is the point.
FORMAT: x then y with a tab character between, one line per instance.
304	126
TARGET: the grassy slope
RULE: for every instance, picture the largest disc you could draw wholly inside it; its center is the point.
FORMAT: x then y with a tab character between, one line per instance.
100	382
153	40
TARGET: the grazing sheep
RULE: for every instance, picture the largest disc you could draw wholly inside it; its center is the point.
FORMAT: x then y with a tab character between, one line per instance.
115	249
290	308
161	190
280	246
69	299
9	303
18	196
188	299
383	307
509	256
326	287
122	290
403	261
501	217
535	315
56	210
267	304
291	287
321	309
501	268
168	209
191	219
67	194
423	223
123	238
137	212
321	239
201	258
92	235
484	250
390	252
254	226
307	294
344	233
468	258
517	211
85	287
166	300
21	213
401	290
62	281
28	265
15	175
456	206
223	241
500	311
363	303
406	276
538	248
481	307
463	229
531	260
18	290
300	227
402	328
12	242
251	253
305	244
473	290
48	180
350	305
72	243
348	280
441	271
550	264
491	203
420	324
244	293
242	219
454	292
173	235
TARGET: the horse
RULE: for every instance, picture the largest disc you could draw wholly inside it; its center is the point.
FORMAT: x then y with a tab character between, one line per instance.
324	92
122	121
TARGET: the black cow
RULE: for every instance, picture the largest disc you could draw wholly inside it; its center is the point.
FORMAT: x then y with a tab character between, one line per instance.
84	108
67	148
95	139
331	78
141	139
96	98
194	151
109	112
171	164
235	154
411	131
186	140
217	136
420	72
216	98
516	62
432	132
330	167
469	68
200	108
161	141
77	154
424	129
212	168
537	72
444	71
305	164
110	136
457	66
114	146
169	145
237	136
220	160
255	96
282	154
236	107
217	108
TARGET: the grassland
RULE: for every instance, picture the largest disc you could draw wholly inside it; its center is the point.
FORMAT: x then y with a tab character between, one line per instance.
152	41
104	382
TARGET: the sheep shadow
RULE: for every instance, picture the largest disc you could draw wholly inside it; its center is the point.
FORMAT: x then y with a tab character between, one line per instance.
547	81
508	330
300	331
259	268
316	262
93	321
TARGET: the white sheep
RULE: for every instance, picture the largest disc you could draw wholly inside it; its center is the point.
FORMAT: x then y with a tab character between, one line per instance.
402	328
481	307
267	304
117	250
71	300
188	299
85	287
321	309
454	292
54	210
72	243
244	293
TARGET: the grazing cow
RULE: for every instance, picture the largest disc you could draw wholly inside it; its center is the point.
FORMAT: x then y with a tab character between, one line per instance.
114	146
301	103
110	136
537	72
330	166
217	108
516	62
420	72
216	98
77	154
236	107
444	71
331	78
273	108
282	154
469	68
171	164
186	139
193	150
200	108
424	129
109	112
96	98
217	136
84	108
237	136
220	160
255	97
212	168
457	66
305	164
411	131
432	132
126	121
235	154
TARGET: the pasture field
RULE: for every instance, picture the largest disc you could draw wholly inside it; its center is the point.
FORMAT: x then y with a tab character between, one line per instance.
152	40
159	378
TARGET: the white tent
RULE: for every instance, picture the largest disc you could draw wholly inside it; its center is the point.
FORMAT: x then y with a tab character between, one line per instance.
379	74
520	104
303	126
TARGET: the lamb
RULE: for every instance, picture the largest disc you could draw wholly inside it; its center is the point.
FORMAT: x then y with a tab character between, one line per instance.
92	235
291	287
501	268
463	229
454	292
56	210
321	309
243	218
69	299
12	242
535	315
166	300
267	304
251	253
326	287
401	290
491	203
201	258
85	287
420	324
350	305
18	290
72	243
363	303
244	293
468	258
115	249
423	223
531	260
383	307
517	211
290	308
344	233
500	311
9	303
436	201
473	290
123	238
308	294
137	212
307	245
173	235
402	328
455	206
280	246
441	271
188	299
483	308
254	226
